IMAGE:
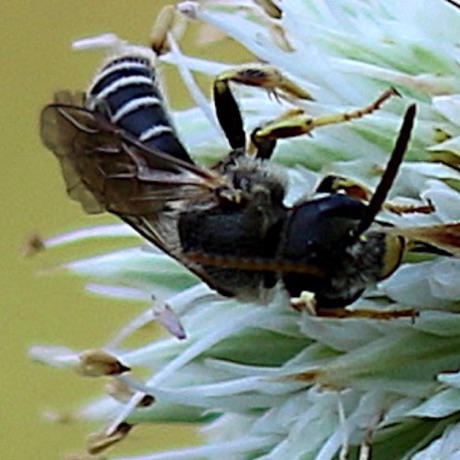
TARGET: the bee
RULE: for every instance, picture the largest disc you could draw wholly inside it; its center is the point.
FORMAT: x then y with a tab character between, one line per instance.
228	224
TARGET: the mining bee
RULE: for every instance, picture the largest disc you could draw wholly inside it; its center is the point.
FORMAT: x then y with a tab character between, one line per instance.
228	224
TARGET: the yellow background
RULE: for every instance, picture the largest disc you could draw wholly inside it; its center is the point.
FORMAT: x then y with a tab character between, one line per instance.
39	305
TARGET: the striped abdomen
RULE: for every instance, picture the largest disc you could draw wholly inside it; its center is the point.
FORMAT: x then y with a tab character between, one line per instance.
126	91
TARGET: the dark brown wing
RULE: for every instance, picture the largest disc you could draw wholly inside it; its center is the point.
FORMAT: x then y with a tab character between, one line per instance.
65	134
107	169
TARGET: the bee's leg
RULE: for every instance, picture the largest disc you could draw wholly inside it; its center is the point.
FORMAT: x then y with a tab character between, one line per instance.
367	313
341	184
260	75
450	159
307	302
355	189
262	145
297	122
396	208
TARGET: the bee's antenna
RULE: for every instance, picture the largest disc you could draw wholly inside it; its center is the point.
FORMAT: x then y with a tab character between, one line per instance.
454	3
384	186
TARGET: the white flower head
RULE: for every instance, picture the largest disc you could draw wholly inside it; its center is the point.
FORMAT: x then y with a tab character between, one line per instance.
269	382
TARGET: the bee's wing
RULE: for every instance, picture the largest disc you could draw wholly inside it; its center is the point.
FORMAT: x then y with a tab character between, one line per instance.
105	168
445	237
66	137
161	230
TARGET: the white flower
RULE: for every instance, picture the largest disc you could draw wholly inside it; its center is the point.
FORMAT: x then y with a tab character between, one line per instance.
270	382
